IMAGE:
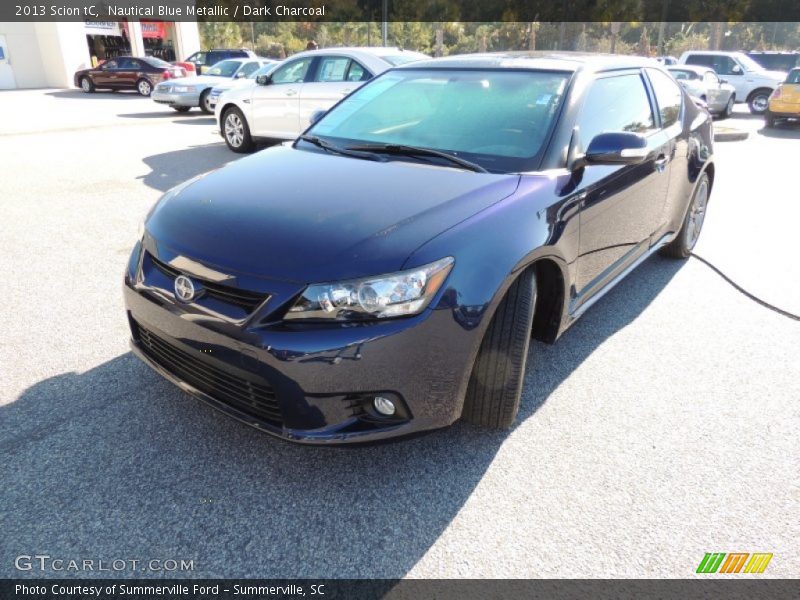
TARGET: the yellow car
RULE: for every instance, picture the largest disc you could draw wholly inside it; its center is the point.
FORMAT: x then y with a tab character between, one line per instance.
784	103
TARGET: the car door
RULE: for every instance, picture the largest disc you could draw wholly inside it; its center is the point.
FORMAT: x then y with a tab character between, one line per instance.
275	107
716	95
334	77
728	68
130	71
106	74
622	205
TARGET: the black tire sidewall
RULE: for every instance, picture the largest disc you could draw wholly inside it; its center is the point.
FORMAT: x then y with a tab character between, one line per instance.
203	98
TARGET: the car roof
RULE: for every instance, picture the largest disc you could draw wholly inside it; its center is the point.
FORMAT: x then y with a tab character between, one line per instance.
537	60
713	52
379	51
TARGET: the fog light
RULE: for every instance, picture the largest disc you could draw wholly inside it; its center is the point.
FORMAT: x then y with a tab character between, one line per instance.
384	406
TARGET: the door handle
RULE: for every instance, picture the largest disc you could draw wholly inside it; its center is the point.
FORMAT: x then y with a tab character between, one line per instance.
661	162
290	92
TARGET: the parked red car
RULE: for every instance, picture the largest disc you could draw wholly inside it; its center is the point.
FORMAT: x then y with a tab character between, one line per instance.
127	72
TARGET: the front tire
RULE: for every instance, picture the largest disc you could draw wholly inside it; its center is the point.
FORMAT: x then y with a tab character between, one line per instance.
236	131
495	385
684	242
728	108
204	105
758	102
86	85
144	87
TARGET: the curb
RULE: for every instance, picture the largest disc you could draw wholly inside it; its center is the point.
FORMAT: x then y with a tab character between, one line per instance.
728	134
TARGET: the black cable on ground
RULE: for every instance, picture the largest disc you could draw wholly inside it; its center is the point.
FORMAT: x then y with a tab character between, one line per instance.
739	288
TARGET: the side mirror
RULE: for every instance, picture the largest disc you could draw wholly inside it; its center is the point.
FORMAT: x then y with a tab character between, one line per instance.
316	116
620	148
723	81
263	80
239	75
736	70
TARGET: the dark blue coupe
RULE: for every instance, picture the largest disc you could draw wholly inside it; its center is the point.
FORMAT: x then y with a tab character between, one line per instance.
384	275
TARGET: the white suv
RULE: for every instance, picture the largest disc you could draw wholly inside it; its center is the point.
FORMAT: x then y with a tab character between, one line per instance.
753	82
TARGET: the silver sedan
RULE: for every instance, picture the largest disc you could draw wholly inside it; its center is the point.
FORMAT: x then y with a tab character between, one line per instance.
187	92
703	83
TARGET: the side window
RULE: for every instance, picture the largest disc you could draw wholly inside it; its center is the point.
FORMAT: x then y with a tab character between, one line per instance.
724	65
357	72
332	69
292	72
247	69
132	65
618	103
110	64
703	60
199	58
668	97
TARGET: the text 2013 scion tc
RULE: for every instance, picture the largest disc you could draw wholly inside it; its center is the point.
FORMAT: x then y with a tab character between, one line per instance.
384	275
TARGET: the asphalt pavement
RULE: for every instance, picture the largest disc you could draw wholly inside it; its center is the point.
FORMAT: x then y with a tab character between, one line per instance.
662	426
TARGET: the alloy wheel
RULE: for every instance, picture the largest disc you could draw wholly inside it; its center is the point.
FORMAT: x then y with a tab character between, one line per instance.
697	214
760	103
86	85
234	130
144	88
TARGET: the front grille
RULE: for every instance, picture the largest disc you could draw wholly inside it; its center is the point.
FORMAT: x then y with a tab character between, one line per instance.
249	301
256	399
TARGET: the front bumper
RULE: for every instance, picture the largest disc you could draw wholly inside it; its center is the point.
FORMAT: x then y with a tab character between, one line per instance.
305	383
189	99
213	98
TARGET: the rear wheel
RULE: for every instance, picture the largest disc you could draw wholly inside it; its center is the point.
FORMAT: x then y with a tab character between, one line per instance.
182	108
204	105
495	386
684	242
236	132
86	85
144	87
758	102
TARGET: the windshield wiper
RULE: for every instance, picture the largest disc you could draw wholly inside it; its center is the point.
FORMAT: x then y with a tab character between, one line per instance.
320	143
403	150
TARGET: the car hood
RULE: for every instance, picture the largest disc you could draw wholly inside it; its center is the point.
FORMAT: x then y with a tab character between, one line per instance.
307	216
224	86
776	75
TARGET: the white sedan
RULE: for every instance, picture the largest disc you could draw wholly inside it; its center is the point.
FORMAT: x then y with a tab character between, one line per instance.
280	105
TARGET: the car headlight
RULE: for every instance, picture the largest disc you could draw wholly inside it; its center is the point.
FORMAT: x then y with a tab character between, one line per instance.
394	295
182	89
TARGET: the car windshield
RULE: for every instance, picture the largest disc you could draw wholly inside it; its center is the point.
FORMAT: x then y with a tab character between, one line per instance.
224	68
262	71
794	76
157	62
498	119
684	75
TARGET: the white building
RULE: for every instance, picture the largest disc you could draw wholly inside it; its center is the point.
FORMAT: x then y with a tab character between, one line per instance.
38	55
